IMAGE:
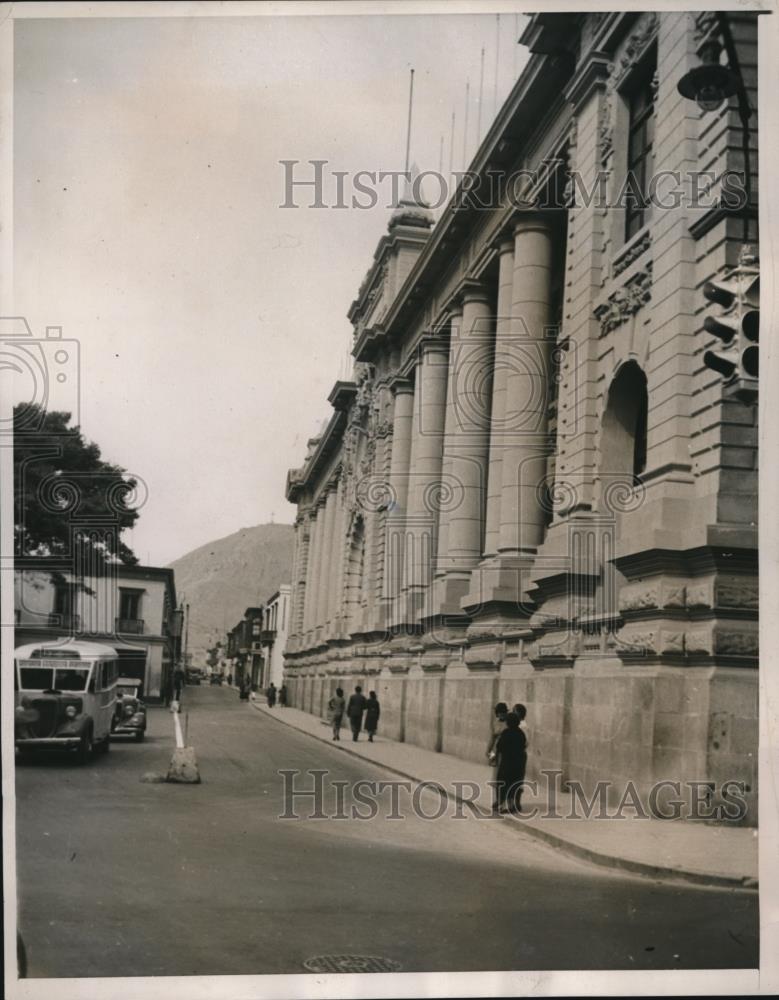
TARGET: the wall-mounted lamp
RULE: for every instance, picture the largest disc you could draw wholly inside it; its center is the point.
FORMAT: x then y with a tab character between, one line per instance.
709	84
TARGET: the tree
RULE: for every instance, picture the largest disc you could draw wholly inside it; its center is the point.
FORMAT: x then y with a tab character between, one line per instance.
67	500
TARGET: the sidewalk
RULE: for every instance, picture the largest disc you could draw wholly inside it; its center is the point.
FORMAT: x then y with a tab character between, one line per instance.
697	852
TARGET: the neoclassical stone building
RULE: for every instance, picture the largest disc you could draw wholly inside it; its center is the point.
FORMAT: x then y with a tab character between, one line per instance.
533	489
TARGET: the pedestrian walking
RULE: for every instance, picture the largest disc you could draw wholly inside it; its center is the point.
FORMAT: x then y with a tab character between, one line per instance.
245	689
372	712
271	695
230	680
357	705
512	762
335	710
283	696
178	683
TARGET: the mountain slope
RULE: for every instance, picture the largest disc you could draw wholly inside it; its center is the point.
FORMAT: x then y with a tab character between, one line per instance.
223	578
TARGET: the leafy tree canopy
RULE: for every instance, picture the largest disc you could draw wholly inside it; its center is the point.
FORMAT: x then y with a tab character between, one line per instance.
65	496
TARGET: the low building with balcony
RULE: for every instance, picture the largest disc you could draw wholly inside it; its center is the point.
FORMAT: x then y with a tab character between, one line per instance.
131	608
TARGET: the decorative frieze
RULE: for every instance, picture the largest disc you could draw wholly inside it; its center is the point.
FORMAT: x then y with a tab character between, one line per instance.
626	301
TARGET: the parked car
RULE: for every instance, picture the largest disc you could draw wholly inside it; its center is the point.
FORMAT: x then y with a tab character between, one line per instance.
216	678
130	717
65	697
194	675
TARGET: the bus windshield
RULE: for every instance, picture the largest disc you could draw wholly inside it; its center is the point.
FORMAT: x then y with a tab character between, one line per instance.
58	678
71	680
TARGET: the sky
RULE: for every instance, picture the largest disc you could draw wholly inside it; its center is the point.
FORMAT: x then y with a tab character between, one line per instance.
211	322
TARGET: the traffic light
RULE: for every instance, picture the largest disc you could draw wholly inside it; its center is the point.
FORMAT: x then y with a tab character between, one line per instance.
738	327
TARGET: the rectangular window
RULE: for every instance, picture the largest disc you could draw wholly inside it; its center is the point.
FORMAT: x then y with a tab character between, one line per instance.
641	133
130	604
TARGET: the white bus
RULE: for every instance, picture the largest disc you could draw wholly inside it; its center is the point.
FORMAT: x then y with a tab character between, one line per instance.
65	696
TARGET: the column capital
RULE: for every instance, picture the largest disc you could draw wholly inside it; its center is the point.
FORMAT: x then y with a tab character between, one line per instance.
504	241
474	291
399	385
431	343
530	222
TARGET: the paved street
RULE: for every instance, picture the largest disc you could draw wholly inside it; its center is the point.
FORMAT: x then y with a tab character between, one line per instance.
119	878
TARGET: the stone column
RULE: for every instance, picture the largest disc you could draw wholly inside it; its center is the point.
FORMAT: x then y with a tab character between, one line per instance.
298	578
425	468
524	456
402	426
455	338
466	447
334	610
311	575
504	332
325	580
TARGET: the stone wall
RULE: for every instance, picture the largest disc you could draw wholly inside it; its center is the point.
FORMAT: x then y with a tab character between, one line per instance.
640	725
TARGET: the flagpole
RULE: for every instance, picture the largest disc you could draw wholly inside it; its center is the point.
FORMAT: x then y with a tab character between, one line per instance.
410	105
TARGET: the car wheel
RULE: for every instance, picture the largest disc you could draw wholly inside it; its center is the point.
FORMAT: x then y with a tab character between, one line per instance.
139	736
85	747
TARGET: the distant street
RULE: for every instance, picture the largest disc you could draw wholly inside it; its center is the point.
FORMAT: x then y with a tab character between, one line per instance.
159	879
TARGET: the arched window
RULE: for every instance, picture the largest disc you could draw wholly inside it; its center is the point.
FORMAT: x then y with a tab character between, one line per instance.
623	438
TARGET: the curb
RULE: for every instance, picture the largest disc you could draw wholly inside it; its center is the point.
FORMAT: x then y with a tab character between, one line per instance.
745	883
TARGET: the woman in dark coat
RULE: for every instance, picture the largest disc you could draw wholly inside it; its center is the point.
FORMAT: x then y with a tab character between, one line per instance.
372	712
512	761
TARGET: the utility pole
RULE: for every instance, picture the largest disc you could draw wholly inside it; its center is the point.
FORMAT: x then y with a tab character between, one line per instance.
186	633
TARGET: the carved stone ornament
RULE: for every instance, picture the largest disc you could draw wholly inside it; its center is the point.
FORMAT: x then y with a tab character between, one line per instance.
626	301
633	252
606	121
705	25
637	43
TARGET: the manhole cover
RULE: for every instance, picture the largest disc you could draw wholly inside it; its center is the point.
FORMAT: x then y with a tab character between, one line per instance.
351	963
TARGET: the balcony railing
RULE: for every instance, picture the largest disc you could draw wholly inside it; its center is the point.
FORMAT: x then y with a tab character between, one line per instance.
66	622
129	626
268	636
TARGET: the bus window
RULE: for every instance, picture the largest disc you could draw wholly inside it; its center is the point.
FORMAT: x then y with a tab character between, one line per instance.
36	678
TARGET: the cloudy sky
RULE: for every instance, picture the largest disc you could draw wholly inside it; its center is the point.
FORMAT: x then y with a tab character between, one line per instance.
147	224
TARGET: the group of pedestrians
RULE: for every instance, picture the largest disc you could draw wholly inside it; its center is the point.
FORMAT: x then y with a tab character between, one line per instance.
272	694
359	710
507	752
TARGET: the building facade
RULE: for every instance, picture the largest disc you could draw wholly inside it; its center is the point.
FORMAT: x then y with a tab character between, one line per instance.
244	648
132	608
533	489
275	630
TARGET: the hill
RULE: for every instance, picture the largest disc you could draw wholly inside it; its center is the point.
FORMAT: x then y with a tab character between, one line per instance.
223	578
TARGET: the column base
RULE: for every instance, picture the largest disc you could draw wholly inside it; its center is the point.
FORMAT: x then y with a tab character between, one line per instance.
500	579
407	609
446	594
